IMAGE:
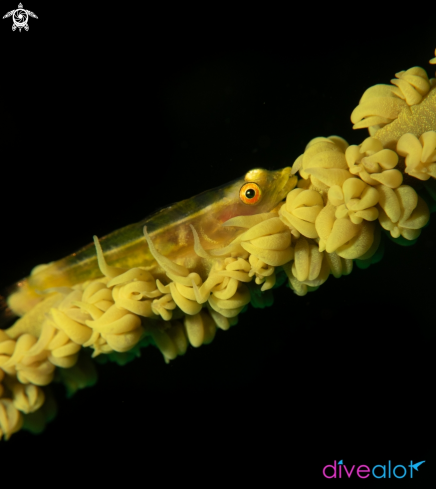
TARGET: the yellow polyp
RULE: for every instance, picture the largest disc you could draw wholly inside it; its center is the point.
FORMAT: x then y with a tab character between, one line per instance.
359	244
420	154
195	329
198	248
24	300
209	327
102	294
126	324
264	273
300	268
298	164
60	339
278	241
352	189
389	202
66	350
201	295
239	299
298	287
374	121
93	339
220	320
408	199
27	398
335	263
338	265
163	307
274	258
105	269
413	215
138	306
164	342
386	158
133	274
227	313
77	332
241	276
186	305
298	226
329	177
315	262
368	198
419	217
264	228
163	289
324	224
332	157
428	141
11	420
185	291
23	344
249	221
186	281
343	230
124	342
178	336
301	210
238	264
258	266
269	282
389	178
115	321
308	213
92	289
163	261
48	332
370	214
229	291
33	321
413	85
233	247
41	374
112	314
380	104
417	120
375	244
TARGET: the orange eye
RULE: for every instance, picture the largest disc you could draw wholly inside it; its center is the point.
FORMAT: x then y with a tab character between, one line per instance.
250	193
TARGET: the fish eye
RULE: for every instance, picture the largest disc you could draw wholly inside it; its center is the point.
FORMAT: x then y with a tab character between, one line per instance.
250	193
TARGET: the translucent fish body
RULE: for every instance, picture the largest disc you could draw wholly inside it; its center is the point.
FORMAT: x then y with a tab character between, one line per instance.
171	232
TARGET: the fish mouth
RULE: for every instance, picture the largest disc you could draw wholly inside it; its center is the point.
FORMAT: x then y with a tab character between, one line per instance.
286	182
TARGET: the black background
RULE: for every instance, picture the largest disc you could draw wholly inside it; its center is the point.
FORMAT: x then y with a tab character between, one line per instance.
110	113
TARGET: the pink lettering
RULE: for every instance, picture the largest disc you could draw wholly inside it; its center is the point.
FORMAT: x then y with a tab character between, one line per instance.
364	469
334	471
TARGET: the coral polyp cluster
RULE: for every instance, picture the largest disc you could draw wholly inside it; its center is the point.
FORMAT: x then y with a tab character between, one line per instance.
344	200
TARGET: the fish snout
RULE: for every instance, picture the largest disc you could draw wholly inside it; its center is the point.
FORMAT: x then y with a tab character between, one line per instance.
287	182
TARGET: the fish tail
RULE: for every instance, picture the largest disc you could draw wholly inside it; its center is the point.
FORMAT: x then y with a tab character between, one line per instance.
15	301
7	315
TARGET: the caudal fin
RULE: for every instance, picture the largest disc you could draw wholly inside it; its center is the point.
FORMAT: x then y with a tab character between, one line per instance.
7	316
15	301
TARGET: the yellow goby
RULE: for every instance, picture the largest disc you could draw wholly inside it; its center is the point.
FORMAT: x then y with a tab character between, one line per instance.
170	230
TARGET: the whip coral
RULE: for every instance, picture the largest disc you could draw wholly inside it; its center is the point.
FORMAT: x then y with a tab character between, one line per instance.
199	272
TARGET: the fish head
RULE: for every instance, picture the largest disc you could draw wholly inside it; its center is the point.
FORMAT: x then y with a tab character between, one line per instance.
258	191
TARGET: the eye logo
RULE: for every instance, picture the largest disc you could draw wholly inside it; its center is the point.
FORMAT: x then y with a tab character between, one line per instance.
20	17
363	471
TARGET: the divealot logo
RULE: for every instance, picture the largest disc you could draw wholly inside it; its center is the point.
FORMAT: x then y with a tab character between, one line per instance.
340	471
